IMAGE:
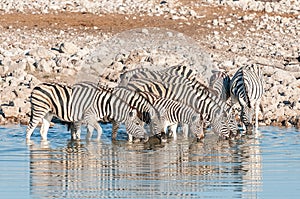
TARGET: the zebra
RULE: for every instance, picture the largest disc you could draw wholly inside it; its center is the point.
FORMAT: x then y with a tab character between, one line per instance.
149	114
173	112
246	88
114	103
220	83
198	96
173	74
81	103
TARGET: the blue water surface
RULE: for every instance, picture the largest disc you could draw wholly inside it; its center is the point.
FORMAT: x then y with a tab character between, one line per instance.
263	165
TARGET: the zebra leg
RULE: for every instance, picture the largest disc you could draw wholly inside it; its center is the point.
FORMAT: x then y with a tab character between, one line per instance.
90	130
75	130
115	127
130	138
30	129
36	117
185	130
256	113
173	129
99	131
45	126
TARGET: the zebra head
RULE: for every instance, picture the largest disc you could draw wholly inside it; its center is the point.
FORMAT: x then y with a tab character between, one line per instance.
225	126
133	126
196	126
232	125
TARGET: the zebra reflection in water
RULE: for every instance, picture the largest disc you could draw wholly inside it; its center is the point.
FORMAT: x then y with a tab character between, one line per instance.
179	168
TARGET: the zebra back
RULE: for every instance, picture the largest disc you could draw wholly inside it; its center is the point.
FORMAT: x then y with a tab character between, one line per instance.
181	70
173	74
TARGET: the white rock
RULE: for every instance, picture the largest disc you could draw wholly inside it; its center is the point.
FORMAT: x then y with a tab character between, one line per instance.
69	48
283	76
41	52
45	66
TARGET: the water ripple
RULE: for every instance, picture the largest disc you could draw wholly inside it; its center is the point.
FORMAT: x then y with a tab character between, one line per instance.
259	166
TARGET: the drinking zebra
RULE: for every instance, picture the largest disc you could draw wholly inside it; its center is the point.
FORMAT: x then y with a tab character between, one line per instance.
199	97
149	114
246	88
174	112
83	103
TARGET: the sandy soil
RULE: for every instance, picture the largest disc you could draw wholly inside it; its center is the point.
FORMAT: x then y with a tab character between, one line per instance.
114	23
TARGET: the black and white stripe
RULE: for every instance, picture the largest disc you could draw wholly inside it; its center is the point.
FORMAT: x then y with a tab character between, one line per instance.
198	96
84	103
246	87
220	83
149	114
174	112
173	74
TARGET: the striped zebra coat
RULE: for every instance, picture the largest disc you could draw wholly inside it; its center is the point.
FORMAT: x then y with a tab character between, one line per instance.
174	74
173	112
199	97
149	114
220	84
246	88
83	103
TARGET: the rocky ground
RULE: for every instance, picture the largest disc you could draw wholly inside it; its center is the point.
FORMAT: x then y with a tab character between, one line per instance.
69	41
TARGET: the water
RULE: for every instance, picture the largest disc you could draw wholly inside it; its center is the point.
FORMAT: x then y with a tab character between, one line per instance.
263	166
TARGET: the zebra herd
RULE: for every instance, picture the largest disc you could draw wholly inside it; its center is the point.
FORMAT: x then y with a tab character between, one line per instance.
161	100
